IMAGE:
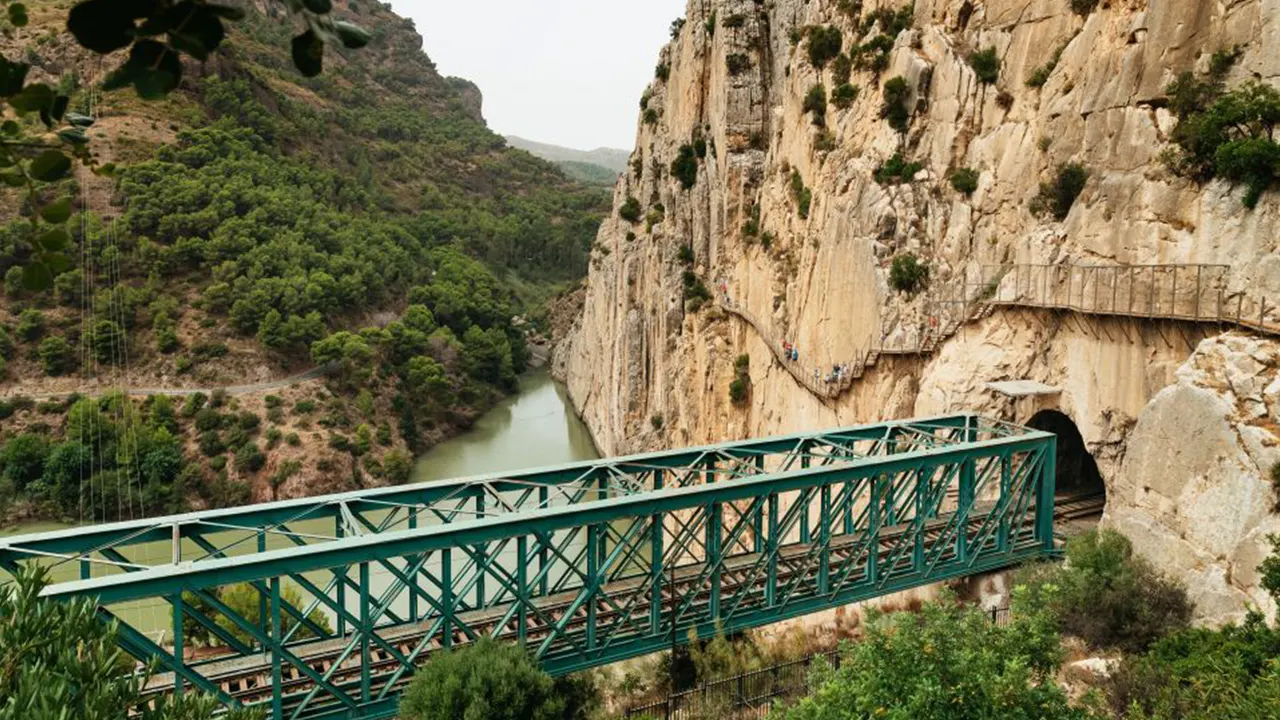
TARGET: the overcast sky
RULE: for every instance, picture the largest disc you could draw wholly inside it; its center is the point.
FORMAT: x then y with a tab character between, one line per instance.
567	72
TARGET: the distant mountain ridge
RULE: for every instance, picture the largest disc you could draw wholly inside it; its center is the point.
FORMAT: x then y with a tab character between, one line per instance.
613	159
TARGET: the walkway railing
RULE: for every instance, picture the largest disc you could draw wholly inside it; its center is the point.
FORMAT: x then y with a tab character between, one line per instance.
1195	293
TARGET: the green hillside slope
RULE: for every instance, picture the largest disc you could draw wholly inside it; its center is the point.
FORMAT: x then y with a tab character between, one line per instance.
261	223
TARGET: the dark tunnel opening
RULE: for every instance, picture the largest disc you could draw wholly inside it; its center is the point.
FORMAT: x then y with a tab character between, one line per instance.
1078	472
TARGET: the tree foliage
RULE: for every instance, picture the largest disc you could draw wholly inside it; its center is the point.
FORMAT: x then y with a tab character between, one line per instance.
59	661
1109	596
948	662
489	680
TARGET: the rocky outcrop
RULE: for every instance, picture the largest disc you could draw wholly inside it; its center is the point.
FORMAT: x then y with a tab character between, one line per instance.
1194	493
785	215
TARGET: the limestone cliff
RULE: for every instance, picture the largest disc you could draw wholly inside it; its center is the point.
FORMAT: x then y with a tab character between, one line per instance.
786	218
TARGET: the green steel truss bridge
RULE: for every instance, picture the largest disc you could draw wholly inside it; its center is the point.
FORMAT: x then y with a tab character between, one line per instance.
584	564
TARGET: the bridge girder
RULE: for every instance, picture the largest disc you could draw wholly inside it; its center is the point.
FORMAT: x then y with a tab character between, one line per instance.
585	564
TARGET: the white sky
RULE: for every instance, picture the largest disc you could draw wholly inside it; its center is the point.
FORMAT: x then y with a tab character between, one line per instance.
567	72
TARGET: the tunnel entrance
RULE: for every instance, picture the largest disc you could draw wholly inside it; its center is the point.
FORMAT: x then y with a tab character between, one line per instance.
1077	470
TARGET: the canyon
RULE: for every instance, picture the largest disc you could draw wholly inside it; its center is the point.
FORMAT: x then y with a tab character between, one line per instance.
786	224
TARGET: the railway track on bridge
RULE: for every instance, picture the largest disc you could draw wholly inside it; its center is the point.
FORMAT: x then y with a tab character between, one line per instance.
251	683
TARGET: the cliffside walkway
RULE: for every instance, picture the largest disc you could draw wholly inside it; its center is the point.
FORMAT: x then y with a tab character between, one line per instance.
1196	293
584	564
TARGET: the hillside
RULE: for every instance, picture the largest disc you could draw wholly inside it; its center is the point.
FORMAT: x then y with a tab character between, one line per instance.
855	179
260	224
608	158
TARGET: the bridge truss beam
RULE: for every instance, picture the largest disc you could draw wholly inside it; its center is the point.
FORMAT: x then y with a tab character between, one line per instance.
585	565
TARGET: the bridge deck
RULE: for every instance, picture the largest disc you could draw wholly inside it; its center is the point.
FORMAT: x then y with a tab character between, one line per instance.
585	564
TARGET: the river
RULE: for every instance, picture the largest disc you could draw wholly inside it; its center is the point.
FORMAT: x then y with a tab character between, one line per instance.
535	427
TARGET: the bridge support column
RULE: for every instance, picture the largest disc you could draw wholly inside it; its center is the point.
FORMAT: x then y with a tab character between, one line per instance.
873	531
656	563
771	582
824	540
178	650
713	556
1045	498
446	599
522	587
1005	480
592	588
805	535
965	502
544	502
412	560
757	522
482	559
340	575
366	660
277	637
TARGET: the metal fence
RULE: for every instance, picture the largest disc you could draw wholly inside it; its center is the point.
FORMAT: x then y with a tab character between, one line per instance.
752	694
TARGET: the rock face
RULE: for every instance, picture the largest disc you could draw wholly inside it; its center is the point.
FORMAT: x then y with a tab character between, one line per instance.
1193	492
733	100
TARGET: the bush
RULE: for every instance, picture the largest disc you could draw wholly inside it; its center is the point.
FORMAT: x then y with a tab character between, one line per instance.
908	274
1275	484
986	65
841	70
685	254
662	72
57	357
965	180
304	407
656	421
30	325
630	210
948	661
249	458
1059	195
488	679
816	102
59	661
737	63
1109	597
695	291
740	387
1083	7
801	194
685	167
897	170
894	109
844	95
824	44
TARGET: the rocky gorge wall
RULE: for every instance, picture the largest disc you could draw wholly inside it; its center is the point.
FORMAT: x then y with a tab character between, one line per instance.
646	371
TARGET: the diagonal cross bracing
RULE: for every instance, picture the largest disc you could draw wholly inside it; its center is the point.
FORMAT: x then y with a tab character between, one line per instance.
585	564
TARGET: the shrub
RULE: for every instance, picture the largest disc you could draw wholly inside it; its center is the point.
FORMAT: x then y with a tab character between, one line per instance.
801	194
491	679
841	69
249	458
630	210
1109	597
662	72
816	102
656	421
685	167
894	109
650	117
685	254
695	291
1056	197
738	391
57	357
734	21
897	170
304	407
737	63
1275	484
211	444
965	180
1083	7
740	387
947	661
1004	99
208	419
292	439
30	325
844	96
824	44
986	65
907	274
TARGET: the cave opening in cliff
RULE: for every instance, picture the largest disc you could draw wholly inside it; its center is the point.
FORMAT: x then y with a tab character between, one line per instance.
1078	472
